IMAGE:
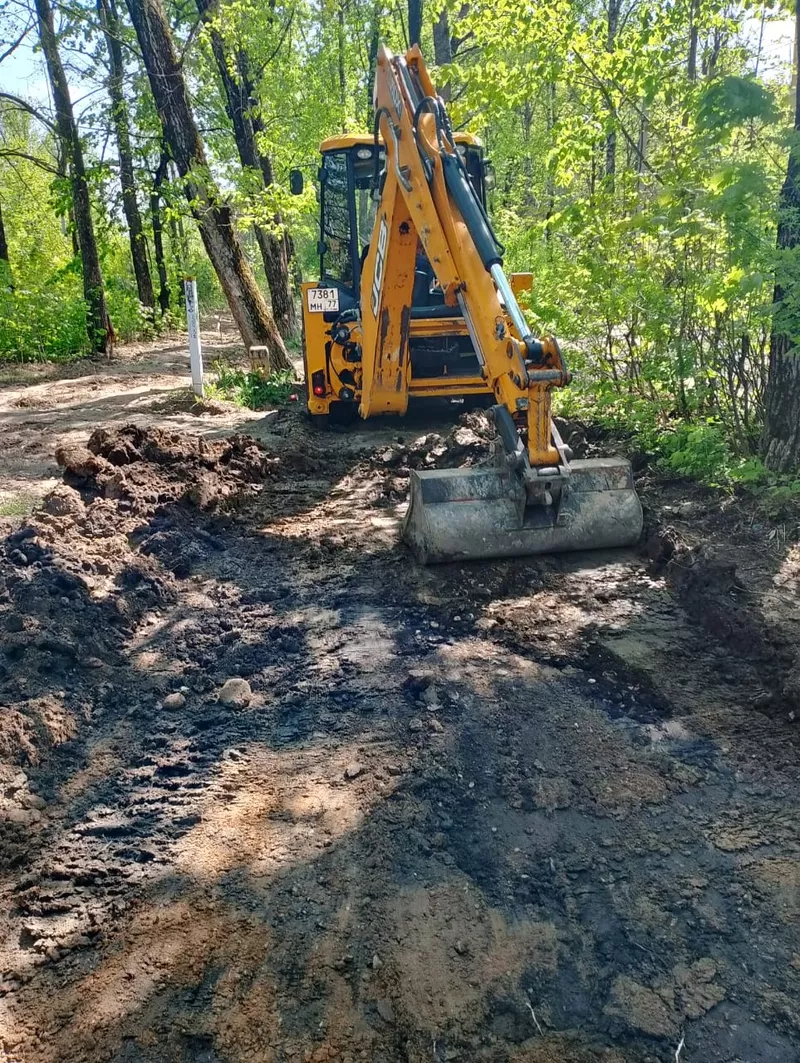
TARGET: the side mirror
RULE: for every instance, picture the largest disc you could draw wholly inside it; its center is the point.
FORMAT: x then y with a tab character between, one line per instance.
296	182
489	178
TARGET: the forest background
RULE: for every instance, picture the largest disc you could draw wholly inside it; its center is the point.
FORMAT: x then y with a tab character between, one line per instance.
646	159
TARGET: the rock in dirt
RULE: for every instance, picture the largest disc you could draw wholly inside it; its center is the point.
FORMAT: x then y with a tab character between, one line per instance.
641	1008
353	770
662	546
177	700
385	1010
23	817
235	693
431	697
696	989
64	501
416	682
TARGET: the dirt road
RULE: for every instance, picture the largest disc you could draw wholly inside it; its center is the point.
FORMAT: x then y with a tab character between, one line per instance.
43	406
272	792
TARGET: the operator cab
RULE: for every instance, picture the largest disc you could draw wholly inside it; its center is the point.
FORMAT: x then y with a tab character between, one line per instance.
350	183
347	210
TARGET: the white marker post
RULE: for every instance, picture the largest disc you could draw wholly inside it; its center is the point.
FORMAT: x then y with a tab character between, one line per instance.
193	324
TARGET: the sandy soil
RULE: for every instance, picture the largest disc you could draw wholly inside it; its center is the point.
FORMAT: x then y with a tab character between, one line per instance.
542	811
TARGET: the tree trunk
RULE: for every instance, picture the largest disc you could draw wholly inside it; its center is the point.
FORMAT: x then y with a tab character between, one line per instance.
213	215
109	20
641	147
550	181
158	234
691	63
239	103
782	427
611	136
527	158
443	48
97	312
414	21
6	276
372	56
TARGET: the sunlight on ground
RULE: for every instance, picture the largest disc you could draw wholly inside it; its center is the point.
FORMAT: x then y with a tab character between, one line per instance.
268	810
428	924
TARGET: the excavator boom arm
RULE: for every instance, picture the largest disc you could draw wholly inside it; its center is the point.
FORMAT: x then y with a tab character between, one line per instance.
427	196
535	499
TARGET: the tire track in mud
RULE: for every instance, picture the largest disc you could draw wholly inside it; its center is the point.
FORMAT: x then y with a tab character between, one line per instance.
446	826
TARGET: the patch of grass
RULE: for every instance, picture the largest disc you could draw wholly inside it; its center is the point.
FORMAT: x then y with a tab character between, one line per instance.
17	505
251	390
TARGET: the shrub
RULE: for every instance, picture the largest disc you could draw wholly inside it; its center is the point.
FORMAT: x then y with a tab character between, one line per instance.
251	390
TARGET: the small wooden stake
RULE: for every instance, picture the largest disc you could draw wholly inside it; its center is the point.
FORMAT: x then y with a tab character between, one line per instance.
259	360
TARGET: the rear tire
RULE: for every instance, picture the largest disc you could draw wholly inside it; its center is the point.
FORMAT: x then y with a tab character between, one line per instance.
339	415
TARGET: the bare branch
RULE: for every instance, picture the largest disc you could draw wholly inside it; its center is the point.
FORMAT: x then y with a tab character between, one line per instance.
8	153
15	44
613	109
190	39
23	105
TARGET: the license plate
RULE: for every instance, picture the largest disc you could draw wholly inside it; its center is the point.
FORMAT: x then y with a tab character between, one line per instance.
323	300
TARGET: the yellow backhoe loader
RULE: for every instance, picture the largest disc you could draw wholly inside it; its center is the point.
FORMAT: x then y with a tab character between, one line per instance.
412	301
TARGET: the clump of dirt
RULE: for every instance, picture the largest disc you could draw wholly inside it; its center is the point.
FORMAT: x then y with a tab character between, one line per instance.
139	509
144	466
473	439
468	443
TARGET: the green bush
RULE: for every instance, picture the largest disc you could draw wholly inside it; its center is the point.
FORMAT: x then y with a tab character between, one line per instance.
44	322
251	390
700	451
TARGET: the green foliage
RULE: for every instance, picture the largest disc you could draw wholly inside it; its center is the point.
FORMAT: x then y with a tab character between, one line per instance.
699	451
44	321
252	390
658	278
19	505
731	101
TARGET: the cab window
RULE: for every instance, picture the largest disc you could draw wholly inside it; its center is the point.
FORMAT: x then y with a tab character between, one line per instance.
337	261
366	204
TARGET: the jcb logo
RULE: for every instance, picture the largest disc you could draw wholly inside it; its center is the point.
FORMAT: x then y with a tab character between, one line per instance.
380	265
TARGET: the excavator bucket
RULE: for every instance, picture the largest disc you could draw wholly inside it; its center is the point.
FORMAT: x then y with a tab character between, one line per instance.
471	514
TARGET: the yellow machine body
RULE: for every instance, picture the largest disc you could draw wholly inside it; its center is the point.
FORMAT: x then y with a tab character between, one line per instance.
340	275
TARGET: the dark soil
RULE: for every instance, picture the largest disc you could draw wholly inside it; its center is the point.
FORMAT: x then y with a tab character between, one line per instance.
542	810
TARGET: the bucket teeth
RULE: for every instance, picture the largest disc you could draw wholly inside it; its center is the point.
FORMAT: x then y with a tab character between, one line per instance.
468	514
